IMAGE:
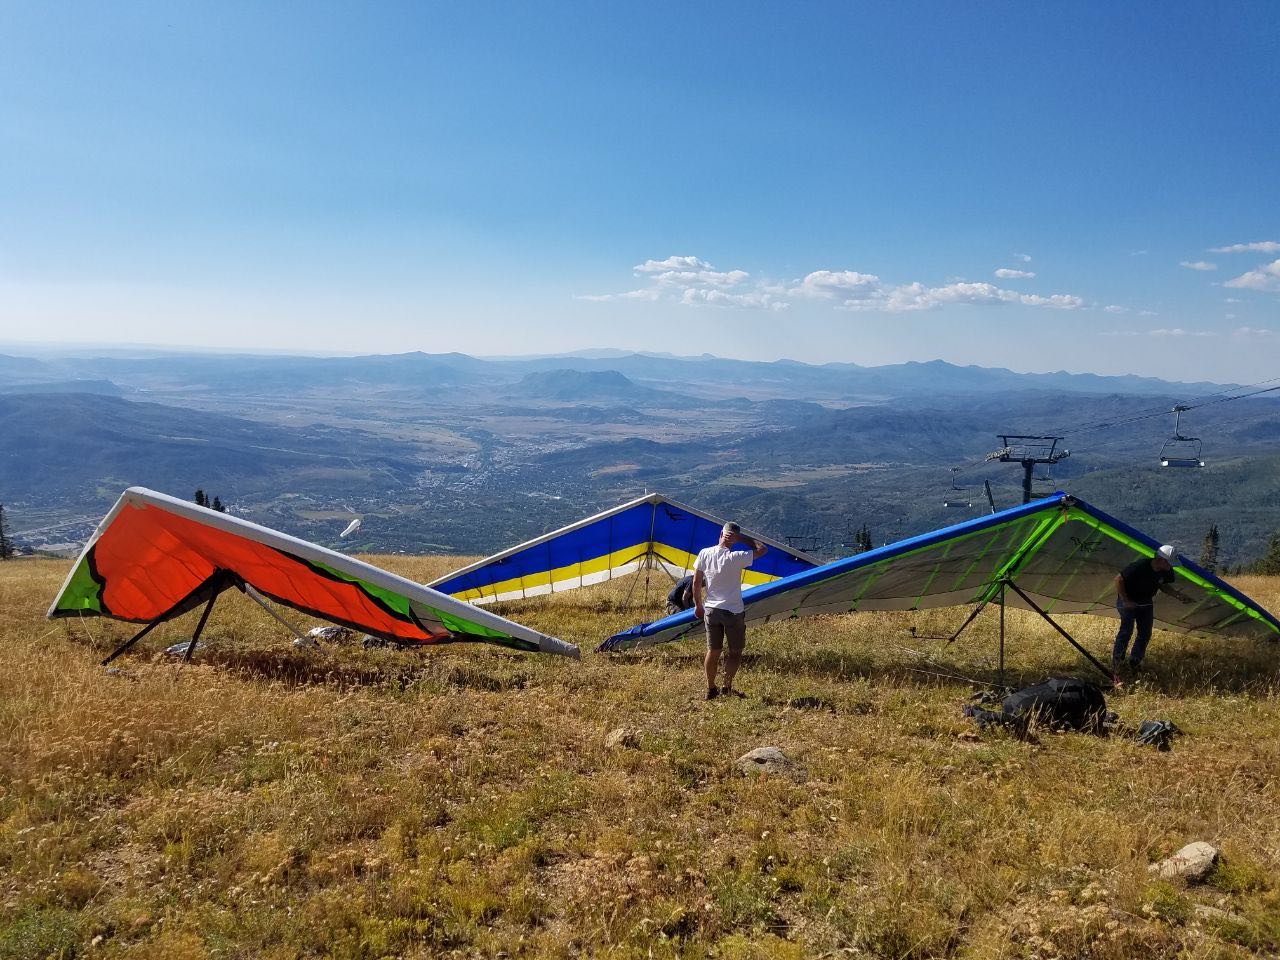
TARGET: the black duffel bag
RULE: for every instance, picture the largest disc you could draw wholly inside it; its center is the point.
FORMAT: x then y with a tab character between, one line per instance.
1060	703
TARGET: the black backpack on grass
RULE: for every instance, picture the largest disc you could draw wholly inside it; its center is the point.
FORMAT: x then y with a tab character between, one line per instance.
1061	703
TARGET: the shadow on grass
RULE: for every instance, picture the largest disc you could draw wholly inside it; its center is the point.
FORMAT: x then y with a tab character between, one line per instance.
1245	667
834	665
396	671
1251	669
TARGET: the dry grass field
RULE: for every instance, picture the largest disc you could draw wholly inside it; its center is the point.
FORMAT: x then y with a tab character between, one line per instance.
271	802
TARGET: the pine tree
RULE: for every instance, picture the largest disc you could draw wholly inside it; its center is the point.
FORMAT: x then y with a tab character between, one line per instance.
218	505
6	545
1209	549
862	539
1270	563
201	499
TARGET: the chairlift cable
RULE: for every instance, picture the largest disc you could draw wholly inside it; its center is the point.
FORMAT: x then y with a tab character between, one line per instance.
1152	414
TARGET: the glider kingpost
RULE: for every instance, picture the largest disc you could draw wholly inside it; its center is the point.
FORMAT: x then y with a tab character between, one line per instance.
155	557
1058	554
650	532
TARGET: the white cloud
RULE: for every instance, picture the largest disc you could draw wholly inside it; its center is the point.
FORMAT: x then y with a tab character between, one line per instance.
1251	333
1266	277
719	298
1022	257
649	294
1179	332
694	278
828	284
1199	265
1231	300
690	280
672	263
1122	333
1059	301
1260	246
1147	313
1113	308
909	297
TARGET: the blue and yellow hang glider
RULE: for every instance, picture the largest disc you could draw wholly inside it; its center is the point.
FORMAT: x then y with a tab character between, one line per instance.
650	532
1059	554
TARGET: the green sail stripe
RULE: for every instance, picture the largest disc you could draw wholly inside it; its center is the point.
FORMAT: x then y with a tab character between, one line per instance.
884	565
402	605
1038	535
456	624
1179	571
83	591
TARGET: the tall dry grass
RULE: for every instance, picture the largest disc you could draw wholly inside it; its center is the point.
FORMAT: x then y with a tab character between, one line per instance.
270	802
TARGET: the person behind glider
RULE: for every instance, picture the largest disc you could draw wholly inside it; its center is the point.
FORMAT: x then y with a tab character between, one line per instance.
1136	587
717	590
680	597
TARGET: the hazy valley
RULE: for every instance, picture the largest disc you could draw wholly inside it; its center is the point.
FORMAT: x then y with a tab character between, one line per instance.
450	453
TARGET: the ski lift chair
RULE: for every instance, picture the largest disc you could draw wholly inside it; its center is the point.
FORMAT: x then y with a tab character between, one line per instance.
1179	451
959	497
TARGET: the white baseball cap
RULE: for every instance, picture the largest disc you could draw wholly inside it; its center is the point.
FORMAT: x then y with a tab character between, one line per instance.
1168	553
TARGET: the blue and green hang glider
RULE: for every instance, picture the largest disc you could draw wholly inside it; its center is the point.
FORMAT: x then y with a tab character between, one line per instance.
650	532
1059	554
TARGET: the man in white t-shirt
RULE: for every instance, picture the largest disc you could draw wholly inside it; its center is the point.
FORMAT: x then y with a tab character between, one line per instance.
717	590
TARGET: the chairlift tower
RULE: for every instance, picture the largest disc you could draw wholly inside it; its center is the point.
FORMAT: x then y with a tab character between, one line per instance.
1028	451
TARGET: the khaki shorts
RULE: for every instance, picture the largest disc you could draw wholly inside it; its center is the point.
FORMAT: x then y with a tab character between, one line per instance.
722	624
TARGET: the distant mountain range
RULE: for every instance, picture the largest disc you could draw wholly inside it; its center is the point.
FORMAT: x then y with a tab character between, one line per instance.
453	452
781	378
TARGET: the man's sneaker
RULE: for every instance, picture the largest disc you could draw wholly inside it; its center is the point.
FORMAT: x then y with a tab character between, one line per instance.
712	693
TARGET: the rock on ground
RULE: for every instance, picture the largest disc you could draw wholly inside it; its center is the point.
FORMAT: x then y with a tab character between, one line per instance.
333	634
770	761
1193	862
623	737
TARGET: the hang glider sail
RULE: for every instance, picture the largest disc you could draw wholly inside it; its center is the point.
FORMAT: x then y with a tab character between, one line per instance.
155	557
648	532
1059	553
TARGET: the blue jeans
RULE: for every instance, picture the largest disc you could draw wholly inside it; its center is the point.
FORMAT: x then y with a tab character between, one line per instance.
1141	616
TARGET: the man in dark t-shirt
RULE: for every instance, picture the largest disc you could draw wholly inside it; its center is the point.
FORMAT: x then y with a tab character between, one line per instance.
1136	587
681	595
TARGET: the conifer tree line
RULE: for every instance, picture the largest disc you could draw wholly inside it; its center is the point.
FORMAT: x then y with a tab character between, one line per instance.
1270	562
1209	549
862	540
6	545
202	500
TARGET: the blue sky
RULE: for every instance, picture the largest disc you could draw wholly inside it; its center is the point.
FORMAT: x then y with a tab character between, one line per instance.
1084	186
